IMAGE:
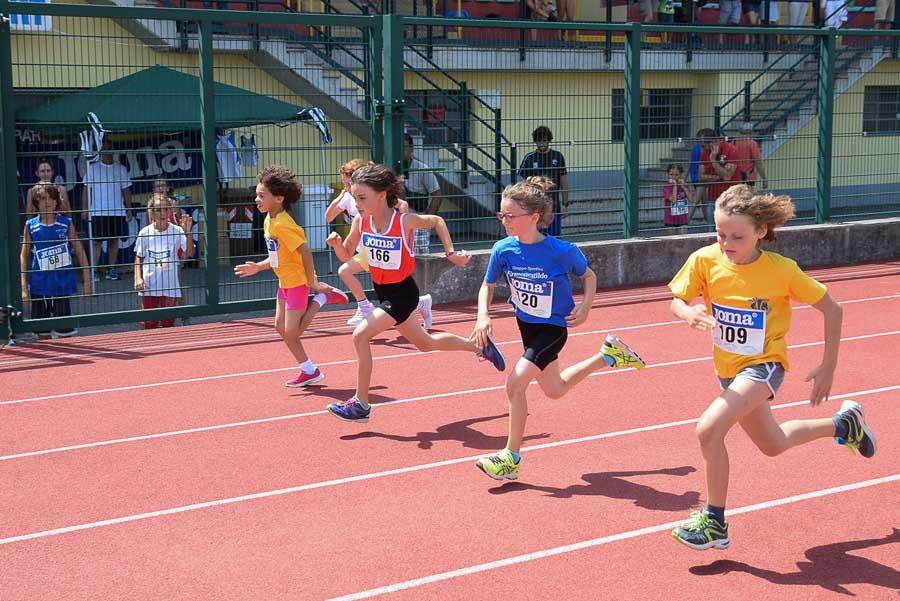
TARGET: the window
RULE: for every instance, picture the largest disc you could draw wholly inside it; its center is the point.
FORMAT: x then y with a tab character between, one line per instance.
442	116
31	22
881	110
664	114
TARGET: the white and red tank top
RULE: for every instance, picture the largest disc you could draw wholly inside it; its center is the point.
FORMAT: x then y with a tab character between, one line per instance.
389	253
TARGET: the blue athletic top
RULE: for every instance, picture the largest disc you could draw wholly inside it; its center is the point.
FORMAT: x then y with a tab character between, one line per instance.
694	171
538	277
50	266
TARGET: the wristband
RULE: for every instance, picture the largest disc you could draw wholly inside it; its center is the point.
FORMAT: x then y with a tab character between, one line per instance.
449	253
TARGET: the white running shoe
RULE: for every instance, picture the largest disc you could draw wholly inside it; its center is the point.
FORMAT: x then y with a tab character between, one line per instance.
362	311
425	310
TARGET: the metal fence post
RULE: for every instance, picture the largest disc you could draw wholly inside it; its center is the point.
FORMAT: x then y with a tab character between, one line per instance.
10	285
392	65
632	192
376	90
208	149
825	106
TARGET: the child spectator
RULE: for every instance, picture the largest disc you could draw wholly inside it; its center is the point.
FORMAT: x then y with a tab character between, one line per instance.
45	175
675	200
48	276
157	252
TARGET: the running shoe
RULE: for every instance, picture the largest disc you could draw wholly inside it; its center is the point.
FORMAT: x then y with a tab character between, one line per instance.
499	466
620	353
860	439
351	410
491	353
425	310
63	333
304	379
333	296
362	311
112	274
702	532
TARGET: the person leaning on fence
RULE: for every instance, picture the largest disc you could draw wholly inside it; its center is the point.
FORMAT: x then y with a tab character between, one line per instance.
718	166
48	273
158	251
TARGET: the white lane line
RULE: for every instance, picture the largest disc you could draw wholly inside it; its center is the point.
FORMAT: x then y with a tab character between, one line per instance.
382	474
605	540
352	361
266	420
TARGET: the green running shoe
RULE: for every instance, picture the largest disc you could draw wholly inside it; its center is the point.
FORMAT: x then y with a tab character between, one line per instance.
702	532
499	466
621	353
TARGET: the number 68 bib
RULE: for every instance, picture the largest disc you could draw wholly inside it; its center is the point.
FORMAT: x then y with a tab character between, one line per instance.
531	297
739	331
54	257
383	252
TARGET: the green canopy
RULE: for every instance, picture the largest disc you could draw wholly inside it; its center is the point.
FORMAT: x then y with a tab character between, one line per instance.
155	99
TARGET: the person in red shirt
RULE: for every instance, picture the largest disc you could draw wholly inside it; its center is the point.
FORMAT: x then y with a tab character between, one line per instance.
750	164
718	166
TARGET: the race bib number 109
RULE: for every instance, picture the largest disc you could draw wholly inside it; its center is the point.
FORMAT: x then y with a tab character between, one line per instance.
739	331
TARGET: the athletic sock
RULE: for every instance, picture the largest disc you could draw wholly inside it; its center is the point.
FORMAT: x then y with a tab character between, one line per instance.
515	456
320	299
841	429
364	303
716	513
364	404
308	367
610	362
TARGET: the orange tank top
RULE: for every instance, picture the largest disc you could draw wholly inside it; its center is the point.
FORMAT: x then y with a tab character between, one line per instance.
389	253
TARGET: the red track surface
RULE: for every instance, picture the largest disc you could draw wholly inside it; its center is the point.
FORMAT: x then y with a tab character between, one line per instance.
174	465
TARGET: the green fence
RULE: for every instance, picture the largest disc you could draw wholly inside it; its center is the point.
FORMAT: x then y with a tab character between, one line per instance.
182	94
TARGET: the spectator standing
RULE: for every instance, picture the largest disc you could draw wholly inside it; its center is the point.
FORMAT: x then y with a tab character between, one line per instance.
750	163
45	174
700	188
158	251
729	14
107	194
547	162
423	192
718	167
676	200
885	12
797	12
48	275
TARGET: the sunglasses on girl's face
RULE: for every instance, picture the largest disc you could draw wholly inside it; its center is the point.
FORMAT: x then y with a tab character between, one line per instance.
502	216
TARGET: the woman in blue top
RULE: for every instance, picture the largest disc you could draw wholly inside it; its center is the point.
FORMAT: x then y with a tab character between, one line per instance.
48	273
537	269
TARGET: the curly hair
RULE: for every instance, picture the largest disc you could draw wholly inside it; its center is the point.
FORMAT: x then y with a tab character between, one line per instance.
281	181
381	179
532	196
764	210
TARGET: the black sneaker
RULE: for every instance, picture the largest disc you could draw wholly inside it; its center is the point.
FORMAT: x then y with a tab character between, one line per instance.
702	532
859	438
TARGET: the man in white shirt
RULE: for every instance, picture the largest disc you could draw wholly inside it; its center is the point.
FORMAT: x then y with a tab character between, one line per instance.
107	194
423	193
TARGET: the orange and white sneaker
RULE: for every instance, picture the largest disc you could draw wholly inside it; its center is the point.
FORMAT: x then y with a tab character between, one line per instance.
334	296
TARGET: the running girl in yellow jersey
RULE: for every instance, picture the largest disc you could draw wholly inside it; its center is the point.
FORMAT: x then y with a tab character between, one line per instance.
747	293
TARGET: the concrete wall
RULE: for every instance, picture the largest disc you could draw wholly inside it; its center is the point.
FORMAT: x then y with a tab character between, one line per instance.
655	260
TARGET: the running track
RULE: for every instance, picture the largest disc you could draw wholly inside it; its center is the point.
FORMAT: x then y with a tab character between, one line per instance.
174	465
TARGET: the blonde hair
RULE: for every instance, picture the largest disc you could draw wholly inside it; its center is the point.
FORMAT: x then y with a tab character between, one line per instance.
764	210
532	197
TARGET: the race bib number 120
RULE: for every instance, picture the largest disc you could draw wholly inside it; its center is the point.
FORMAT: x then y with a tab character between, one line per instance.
739	331
531	297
